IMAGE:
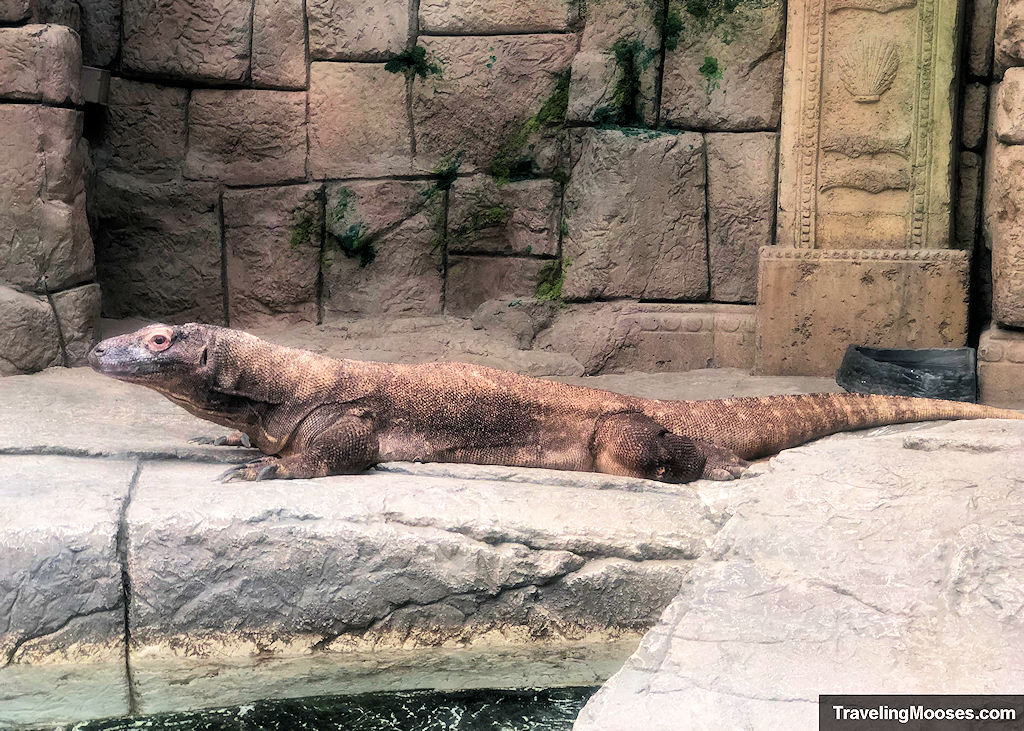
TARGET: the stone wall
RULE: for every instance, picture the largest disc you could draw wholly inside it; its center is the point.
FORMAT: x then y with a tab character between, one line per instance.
275	161
49	303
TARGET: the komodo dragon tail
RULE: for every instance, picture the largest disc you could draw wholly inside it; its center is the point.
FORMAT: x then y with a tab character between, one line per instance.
756	427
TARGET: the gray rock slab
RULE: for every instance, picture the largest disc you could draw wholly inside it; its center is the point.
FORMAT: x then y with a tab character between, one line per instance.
851	565
62	645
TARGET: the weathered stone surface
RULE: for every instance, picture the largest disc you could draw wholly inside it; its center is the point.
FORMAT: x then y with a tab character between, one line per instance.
496	16
100	31
724	69
279	44
1009	36
1004	230
849	544
272	239
28	340
473	280
145	130
521	318
78	310
634	211
42	199
1008	108
358	122
383	252
482	102
812	304
1001	367
968	208
14	11
980	33
191	39
625	336
617	34
246	136
158	249
40	63
972	123
867	130
515	218
348	30
741	210
60	584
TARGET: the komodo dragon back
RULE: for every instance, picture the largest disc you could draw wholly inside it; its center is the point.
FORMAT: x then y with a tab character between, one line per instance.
314	416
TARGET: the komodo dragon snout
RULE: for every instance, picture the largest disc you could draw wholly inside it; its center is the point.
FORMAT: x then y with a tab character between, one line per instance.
315	416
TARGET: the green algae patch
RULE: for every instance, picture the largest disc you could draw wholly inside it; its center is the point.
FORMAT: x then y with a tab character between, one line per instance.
514	160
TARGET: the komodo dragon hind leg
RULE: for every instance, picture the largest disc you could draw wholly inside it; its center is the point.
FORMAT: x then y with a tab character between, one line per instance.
343	446
634	445
234	439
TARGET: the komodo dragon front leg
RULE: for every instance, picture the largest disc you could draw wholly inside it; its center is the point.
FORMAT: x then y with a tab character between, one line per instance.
325	443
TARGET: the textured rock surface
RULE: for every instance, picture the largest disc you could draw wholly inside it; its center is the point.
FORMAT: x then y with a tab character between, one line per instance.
847	566
13	11
272	240
78	311
278	44
741	210
190	39
382	253
980	33
968	208
158	248
814	303
349	30
634	211
1004	196
598	76
456	111
496	16
724	70
42	199
972	130
145	129
40	63
1001	367
515	218
245	136
100	31
358	122
1008	108
1009	36
472	280
28	341
60	585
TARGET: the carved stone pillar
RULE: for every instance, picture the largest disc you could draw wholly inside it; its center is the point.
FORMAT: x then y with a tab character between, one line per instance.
866	166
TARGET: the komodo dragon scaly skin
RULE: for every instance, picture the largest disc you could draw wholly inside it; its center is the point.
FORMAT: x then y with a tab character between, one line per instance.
315	416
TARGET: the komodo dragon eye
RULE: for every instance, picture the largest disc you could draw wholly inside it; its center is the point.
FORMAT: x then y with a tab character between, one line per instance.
158	342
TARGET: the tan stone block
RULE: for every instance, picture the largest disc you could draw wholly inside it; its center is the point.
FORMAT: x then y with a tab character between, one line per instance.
516	218
1001	368
383	253
489	89
246	136
348	30
1004	229
358	122
741	210
972	123
1008	36
145	129
279	44
40	63
724	70
28	339
190	39
78	311
472	280
617	34
158	248
1008	117
634	211
496	16
272	247
867	131
42	199
812	304
980	33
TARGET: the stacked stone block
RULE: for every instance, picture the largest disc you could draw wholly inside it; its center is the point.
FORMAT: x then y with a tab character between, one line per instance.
276	161
49	302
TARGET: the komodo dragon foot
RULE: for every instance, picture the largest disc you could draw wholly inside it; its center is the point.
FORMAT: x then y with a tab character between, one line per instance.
234	439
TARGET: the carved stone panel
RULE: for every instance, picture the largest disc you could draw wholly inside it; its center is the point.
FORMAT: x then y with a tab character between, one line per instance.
865	155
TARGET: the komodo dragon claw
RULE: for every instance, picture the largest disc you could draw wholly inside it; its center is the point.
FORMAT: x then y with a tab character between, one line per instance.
236	439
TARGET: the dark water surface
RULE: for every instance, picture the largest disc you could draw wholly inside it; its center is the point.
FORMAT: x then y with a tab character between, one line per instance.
547	709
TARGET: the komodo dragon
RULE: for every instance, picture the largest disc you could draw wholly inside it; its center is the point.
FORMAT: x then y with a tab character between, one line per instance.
315	416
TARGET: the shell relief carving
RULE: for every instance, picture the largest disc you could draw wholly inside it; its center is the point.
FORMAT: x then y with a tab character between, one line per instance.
867	69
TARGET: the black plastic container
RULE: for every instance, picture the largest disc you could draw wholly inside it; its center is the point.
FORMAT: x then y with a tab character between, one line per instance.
946	373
